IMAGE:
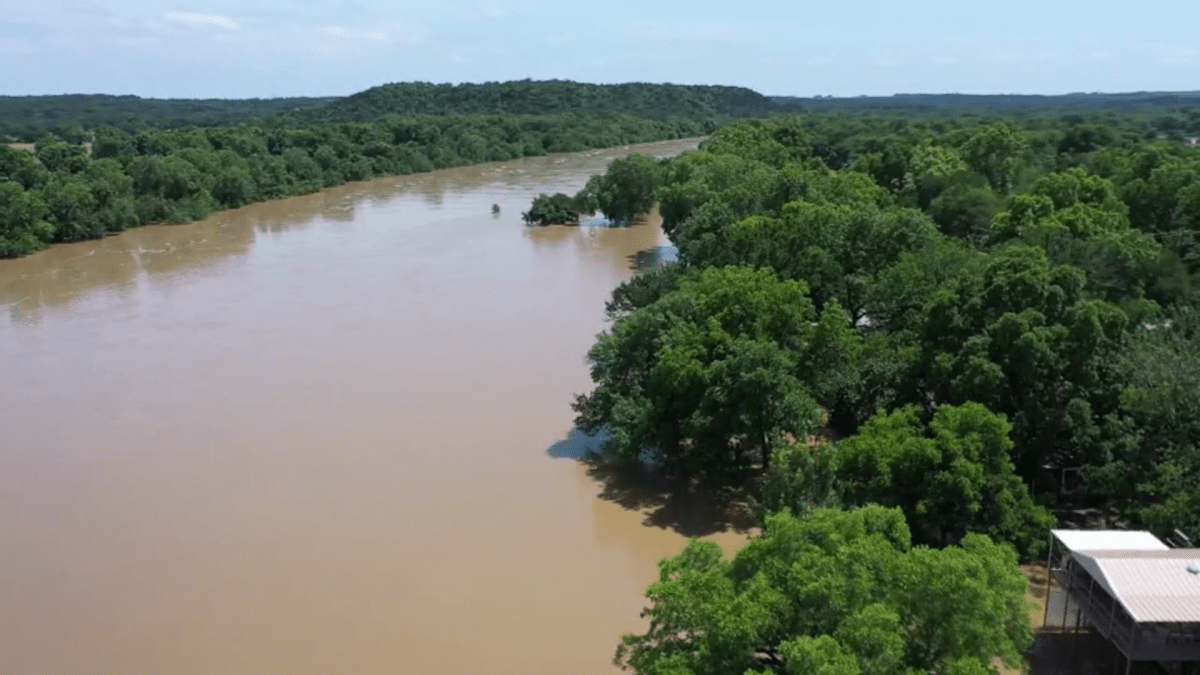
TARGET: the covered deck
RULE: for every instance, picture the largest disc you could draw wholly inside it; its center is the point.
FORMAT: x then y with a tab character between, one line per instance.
1135	591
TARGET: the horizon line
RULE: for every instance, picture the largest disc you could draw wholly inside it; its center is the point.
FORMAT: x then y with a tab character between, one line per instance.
615	84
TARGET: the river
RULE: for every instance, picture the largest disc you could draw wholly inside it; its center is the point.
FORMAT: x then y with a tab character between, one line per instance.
327	434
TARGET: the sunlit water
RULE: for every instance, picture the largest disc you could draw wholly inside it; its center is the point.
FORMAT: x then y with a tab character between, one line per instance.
329	434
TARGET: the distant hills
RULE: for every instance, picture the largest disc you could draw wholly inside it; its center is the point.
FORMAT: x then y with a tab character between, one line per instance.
1006	103
527	97
26	118
29	117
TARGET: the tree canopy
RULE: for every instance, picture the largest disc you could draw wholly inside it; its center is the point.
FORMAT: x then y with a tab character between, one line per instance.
835	592
1003	271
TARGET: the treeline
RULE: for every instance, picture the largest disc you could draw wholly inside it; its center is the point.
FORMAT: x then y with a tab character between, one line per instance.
651	101
71	117
969	308
62	193
1171	116
1006	104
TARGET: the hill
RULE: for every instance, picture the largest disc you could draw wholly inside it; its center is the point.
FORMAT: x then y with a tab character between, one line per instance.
526	97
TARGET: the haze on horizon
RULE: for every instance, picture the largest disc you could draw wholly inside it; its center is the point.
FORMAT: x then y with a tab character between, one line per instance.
268	48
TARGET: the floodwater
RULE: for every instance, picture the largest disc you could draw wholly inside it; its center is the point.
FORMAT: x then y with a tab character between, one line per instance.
328	434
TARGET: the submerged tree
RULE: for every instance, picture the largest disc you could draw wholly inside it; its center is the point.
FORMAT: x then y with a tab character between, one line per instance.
628	189
557	209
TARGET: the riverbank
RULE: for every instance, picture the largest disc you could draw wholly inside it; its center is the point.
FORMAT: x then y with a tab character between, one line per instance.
70	194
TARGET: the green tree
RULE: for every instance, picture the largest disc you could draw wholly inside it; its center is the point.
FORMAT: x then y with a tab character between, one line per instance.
1155	479
950	477
835	592
1016	333
557	209
836	249
966	212
72	209
997	152
22	167
62	158
629	188
22	226
112	142
705	377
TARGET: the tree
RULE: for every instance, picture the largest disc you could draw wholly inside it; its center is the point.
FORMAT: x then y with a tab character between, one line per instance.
629	188
1154	479
22	167
112	142
559	209
706	376
997	152
1079	220
836	592
643	290
950	477
929	163
22	227
62	158
966	212
835	249
1016	333
1083	138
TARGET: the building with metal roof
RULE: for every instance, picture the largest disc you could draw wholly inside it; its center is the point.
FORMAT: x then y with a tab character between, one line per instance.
1138	593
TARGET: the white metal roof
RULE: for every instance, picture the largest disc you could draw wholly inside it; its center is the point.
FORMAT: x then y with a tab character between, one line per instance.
1109	540
1155	586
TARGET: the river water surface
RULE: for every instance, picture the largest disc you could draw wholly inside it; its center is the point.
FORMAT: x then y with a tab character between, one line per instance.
328	434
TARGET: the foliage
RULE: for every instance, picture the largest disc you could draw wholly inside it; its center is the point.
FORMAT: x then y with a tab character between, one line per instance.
951	476
186	174
707	375
628	189
28	118
557	209
835	592
526	97
1008	263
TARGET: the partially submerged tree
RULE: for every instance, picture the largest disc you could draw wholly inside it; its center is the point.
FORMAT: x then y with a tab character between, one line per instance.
557	209
707	375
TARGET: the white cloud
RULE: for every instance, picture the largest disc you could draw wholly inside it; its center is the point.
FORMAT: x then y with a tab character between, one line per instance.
346	33
194	19
494	11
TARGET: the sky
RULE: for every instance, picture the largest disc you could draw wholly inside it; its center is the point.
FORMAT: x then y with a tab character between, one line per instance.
268	48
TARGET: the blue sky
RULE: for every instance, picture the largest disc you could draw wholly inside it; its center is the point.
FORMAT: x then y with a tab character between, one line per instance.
225	48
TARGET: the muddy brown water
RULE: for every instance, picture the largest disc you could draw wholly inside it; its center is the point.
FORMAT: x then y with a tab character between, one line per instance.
329	434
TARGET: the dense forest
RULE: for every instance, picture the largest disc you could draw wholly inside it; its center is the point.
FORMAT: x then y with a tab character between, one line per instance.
70	116
62	192
896	334
1006	103
651	101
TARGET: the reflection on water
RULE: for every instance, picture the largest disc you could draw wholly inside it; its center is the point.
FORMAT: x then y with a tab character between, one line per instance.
310	436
